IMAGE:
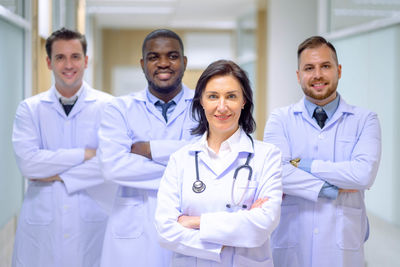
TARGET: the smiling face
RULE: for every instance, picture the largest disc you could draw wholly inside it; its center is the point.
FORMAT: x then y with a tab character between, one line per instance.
68	64
163	64
222	100
318	74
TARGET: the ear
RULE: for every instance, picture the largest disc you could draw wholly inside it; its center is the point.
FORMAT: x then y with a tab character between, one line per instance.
298	76
142	63
339	71
184	61
48	63
86	61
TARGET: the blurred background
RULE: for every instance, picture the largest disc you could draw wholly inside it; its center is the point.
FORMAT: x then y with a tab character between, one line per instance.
260	35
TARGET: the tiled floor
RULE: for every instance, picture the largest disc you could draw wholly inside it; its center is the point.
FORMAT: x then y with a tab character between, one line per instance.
383	247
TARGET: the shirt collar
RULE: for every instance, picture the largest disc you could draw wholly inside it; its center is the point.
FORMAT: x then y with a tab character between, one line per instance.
68	100
227	145
329	108
153	99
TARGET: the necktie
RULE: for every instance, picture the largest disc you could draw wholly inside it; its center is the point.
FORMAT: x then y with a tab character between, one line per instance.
320	116
68	107
165	108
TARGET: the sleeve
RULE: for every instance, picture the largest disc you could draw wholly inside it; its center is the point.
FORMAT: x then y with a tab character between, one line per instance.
116	161
172	235
162	149
33	161
249	228
295	181
85	175
360	171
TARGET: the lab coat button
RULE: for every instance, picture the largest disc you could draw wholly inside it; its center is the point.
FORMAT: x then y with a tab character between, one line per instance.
66	236
321	136
316	231
66	207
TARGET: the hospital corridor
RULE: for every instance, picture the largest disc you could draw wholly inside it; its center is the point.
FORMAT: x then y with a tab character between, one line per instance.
112	56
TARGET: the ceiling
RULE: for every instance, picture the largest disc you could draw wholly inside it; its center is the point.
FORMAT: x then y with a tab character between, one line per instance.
202	14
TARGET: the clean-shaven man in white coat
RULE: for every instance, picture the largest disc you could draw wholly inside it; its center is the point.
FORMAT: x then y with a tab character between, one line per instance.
55	141
137	135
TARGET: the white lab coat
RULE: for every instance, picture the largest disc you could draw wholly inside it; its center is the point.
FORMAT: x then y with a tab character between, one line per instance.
131	239
244	233
317	231
60	224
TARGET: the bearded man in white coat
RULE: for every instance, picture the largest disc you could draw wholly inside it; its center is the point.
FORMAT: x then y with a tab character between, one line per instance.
137	135
55	141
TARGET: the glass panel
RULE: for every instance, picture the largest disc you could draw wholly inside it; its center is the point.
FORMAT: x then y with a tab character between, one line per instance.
345	13
11	93
15	6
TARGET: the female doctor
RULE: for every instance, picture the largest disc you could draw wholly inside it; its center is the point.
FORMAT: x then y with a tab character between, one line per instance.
219	199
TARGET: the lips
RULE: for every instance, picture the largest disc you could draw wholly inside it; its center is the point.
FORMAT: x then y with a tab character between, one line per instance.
69	74
222	117
164	75
319	85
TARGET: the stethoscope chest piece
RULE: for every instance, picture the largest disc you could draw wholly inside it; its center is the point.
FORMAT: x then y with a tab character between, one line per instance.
198	186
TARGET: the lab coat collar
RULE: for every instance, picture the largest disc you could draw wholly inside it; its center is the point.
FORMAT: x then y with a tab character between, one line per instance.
244	145
181	106
87	95
343	108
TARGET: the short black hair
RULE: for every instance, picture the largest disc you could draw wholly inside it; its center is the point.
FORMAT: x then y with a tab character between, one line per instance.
161	33
315	42
223	68
65	34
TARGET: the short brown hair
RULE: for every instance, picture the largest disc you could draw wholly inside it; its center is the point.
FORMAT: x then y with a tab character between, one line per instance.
315	42
65	34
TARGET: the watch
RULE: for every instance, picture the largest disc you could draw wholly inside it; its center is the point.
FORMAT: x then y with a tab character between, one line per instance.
295	162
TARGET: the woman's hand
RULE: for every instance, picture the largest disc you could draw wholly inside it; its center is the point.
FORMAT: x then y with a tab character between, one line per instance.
192	222
258	203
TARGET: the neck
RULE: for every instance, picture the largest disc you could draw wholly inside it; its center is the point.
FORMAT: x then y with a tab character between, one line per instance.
69	92
322	102
167	96
214	139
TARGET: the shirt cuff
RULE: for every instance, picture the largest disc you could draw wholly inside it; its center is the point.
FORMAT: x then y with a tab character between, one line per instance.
305	165
329	191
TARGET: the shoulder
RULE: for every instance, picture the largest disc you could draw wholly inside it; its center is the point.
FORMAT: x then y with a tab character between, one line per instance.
264	148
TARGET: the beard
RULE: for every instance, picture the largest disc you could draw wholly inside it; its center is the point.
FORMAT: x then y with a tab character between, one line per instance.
165	89
320	96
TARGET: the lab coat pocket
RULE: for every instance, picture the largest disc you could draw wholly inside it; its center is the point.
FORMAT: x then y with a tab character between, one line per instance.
241	261
39	201
180	260
128	217
286	234
344	146
247	193
89	210
348	228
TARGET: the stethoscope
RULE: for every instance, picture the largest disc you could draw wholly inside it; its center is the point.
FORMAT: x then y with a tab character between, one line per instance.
199	186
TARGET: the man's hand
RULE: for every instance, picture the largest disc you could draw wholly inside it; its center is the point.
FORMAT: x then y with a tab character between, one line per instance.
347	191
258	203
142	149
192	222
48	179
89	153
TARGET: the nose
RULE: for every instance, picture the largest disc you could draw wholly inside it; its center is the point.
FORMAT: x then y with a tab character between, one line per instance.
221	105
317	73
68	63
163	62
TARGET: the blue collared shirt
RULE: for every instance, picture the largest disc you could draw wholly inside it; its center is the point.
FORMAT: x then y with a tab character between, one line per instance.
327	190
153	99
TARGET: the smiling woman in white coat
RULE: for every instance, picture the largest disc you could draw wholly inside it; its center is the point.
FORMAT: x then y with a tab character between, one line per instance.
219	199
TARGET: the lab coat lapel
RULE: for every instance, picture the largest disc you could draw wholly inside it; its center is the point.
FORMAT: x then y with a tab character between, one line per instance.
182	105
300	107
341	110
85	97
50	98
